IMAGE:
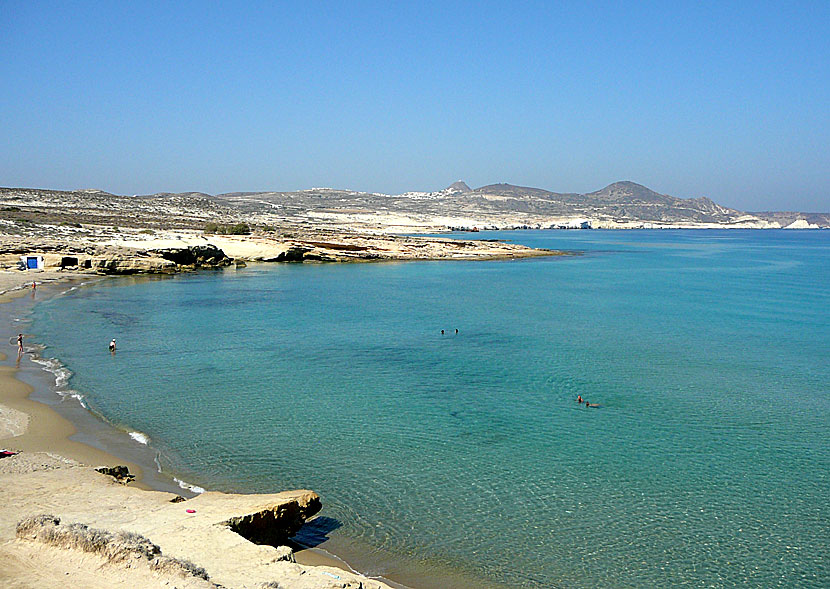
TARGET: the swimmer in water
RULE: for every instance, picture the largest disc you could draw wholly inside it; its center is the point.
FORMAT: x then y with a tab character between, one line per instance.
587	404
112	346
579	399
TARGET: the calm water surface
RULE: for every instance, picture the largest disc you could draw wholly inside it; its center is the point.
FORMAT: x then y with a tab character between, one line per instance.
708	463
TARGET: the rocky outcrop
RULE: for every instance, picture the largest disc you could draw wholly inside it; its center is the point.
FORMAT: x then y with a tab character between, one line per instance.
119	473
164	261
196	256
133	265
274	524
112	259
292	254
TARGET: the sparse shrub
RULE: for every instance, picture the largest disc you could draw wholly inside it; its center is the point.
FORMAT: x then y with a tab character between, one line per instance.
71	224
167	564
31	525
147	232
115	547
269	228
240	229
237	229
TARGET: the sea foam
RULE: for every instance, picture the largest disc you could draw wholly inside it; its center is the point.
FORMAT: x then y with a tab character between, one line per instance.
188	486
140	438
61	373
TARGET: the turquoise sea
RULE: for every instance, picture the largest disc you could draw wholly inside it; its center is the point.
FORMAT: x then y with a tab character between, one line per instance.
707	464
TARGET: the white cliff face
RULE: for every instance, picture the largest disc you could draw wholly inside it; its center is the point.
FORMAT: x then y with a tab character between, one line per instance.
801	224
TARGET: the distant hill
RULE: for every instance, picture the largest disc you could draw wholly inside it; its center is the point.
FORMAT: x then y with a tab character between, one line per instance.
623	204
459	186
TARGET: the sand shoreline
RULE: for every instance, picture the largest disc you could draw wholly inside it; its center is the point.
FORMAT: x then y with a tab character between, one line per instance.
46	429
44	438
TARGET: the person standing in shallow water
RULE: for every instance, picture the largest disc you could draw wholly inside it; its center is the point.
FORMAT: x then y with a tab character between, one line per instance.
19	344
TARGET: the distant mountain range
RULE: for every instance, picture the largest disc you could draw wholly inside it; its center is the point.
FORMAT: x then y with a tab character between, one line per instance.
622	204
499	206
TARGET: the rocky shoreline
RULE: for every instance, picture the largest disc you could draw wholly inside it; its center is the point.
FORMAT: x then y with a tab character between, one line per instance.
96	232
134	253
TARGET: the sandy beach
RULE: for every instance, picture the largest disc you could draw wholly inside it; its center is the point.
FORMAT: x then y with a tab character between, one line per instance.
103	533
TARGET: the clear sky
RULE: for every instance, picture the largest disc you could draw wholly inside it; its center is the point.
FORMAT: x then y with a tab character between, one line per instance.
729	100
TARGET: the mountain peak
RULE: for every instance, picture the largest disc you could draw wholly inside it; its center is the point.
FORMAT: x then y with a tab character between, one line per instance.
627	185
627	189
459	186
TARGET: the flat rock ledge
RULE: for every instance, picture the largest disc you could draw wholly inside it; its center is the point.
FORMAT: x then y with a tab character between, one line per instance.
87	529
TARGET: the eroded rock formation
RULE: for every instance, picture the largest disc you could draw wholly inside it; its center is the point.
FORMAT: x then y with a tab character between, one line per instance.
108	259
195	256
274	524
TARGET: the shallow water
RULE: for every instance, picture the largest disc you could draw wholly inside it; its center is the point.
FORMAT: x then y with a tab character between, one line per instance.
706	464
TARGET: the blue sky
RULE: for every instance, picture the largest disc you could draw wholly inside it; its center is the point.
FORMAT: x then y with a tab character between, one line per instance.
728	100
